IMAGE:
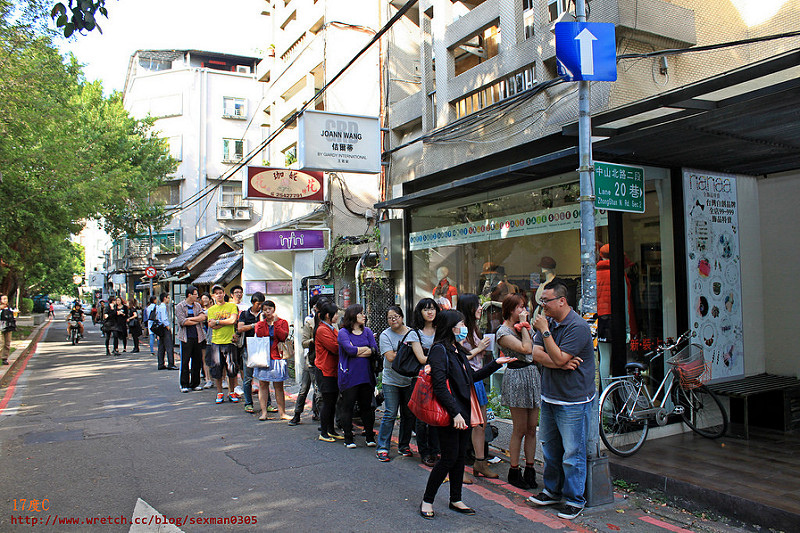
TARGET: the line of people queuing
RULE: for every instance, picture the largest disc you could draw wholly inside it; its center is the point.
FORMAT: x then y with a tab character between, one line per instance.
548	382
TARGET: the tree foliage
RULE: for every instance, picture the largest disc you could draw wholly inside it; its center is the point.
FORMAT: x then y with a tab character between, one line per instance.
67	153
78	15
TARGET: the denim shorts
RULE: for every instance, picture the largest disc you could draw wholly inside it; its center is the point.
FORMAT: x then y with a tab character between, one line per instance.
480	390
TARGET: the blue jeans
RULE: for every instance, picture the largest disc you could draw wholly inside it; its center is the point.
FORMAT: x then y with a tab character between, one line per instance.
563	431
396	398
152	341
247	382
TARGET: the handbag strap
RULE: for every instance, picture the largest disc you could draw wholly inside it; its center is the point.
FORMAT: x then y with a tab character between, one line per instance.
403	340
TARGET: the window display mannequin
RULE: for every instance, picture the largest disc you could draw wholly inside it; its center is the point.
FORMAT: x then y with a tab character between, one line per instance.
548	266
444	287
604	311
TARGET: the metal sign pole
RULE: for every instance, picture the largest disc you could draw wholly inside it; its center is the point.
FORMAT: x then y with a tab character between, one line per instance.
598	480
586	172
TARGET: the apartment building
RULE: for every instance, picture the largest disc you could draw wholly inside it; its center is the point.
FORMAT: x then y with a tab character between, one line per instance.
309	43
205	104
482	152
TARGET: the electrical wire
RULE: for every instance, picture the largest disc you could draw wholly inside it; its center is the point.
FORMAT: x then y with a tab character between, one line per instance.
197	197
706	48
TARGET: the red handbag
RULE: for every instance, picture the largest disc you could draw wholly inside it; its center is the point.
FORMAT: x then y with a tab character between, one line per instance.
425	405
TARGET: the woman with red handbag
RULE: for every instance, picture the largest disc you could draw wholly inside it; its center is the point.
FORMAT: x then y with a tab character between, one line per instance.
453	386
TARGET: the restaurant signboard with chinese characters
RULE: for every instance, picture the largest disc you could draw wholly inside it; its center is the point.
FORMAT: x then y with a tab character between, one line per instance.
334	142
284	184
289	240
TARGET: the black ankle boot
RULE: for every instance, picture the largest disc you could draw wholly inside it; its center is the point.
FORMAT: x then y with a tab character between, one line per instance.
515	478
529	476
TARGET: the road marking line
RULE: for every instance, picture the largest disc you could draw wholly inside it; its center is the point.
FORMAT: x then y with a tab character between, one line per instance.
143	510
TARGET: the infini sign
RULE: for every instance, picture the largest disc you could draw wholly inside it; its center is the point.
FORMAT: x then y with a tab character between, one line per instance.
333	142
290	240
284	184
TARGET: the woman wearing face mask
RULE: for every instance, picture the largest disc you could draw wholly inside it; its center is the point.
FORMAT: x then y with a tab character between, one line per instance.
449	366
470	306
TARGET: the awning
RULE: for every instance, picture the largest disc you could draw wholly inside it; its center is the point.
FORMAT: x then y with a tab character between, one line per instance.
223	270
199	249
745	121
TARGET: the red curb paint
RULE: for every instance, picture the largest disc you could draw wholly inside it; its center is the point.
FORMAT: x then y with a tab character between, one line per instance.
664	525
31	350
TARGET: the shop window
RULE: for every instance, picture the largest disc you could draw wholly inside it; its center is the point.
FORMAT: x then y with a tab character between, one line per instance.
232	150
480	47
495	244
517	238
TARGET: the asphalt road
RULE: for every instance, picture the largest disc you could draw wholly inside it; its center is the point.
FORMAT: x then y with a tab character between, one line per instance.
87	436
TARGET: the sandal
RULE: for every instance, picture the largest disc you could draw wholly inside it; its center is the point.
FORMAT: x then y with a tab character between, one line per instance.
249	408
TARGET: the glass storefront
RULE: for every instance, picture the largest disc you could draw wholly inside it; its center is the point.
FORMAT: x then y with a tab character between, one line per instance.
513	239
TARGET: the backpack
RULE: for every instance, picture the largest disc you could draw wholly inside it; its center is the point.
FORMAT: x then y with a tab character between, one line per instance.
405	362
145	315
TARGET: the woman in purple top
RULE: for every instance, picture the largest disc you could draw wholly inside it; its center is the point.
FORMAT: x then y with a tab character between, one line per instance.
356	380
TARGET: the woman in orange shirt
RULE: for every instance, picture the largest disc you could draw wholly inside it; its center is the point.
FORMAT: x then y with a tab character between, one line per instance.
326	346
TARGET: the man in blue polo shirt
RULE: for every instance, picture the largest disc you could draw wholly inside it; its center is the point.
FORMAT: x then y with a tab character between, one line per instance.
563	345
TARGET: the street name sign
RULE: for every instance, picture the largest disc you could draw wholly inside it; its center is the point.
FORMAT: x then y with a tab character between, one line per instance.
618	187
586	51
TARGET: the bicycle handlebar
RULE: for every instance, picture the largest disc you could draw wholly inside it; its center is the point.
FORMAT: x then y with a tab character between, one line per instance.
669	346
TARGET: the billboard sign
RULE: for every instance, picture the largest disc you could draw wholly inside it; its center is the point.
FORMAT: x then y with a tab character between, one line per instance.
290	240
284	184
334	142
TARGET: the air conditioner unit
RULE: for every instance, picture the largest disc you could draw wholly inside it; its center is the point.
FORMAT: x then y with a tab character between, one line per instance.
224	213
242	69
241	213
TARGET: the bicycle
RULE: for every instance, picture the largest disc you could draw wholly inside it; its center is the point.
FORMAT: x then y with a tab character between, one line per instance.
74	332
627	409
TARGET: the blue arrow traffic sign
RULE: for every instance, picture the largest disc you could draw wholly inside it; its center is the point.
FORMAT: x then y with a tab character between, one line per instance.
586	51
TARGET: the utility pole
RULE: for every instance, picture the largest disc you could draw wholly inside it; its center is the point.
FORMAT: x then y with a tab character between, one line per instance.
150	259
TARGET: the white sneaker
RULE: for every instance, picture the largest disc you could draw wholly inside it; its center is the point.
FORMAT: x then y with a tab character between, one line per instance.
239	390
185	389
208	384
224	384
494	460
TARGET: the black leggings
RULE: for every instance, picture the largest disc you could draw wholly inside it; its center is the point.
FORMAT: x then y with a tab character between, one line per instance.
116	335
363	394
453	443
330	391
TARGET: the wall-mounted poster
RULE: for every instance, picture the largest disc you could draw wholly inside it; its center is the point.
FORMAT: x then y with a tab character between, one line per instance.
714	269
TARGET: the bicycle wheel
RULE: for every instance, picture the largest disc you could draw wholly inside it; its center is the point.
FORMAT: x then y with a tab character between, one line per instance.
702	411
621	430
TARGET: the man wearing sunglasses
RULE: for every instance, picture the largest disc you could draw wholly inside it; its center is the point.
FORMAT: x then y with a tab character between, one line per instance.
563	345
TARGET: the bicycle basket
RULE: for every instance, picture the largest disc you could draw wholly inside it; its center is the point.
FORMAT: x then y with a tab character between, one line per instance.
691	367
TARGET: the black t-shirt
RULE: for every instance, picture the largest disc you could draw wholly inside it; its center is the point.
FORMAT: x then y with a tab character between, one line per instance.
248	318
191	331
76	314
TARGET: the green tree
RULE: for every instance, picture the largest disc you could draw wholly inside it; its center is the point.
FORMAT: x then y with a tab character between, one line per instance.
67	154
